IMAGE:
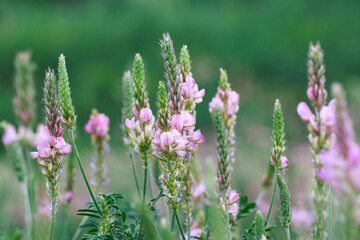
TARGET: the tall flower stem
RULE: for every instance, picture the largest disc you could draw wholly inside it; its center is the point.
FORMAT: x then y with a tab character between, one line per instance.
53	213
25	192
131	153
179	224
272	197
144	194
287	230
71	133
228	232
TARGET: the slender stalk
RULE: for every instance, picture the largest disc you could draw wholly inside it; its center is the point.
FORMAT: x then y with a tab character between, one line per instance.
28	217
188	225
144	195
287	230
173	221
179	224
228	233
131	153
272	197
82	170
53	213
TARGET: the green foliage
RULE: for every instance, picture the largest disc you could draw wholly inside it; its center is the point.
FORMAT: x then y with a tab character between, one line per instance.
245	207
65	101
140	93
112	224
285	213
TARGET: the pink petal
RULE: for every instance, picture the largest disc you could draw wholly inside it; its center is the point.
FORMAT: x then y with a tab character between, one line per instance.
304	111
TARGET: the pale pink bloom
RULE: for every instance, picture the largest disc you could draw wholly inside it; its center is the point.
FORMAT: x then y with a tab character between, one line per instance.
195	231
177	122
310	93
42	136
145	114
327	116
196	137
216	102
233	197
301	218
98	125
199	190
69	196
130	124
190	90
304	112
10	136
166	140
284	162
233	102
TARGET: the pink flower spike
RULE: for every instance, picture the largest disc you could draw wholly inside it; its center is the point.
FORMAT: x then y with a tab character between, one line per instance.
66	149
177	122
310	93
166	139
284	162
42	136
145	114
304	111
10	135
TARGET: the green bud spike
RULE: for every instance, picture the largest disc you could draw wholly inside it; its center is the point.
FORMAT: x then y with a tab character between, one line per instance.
105	219
285	214
278	133
223	151
163	107
259	226
66	106
139	87
224	82
128	99
185	62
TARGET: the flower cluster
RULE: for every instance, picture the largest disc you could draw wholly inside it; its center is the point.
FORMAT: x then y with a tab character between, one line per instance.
51	146
98	128
141	124
232	204
321	134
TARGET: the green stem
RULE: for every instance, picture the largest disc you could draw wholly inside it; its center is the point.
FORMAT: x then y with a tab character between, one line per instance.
82	170
228	232
25	193
173	221
188	225
179	224
131	153
272	197
53	205
144	195
287	230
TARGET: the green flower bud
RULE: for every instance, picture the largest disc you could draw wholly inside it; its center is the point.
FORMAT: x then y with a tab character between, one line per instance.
285	214
259	226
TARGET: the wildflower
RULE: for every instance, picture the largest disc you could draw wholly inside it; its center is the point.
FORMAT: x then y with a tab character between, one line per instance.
98	128
232	204
321	135
10	135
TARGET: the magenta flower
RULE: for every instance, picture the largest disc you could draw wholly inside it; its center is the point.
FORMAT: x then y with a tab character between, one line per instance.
56	146
233	205
98	124
190	92
10	135
284	162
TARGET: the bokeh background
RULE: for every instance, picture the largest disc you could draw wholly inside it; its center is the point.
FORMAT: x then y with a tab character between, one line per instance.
262	44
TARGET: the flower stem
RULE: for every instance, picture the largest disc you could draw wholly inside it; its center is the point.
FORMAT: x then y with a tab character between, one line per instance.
82	170
131	153
287	230
228	232
179	224
28	217
272	197
144	195
53	213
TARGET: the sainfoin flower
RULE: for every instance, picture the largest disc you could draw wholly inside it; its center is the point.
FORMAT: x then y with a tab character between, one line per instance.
10	135
233	204
98	128
98	125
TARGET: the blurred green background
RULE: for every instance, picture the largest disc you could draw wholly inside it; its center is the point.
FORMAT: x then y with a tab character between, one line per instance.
262	44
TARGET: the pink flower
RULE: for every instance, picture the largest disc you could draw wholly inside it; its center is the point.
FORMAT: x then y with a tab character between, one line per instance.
310	93
145	114
10	136
233	102
199	190
190	92
166	140
304	112
98	124
284	162
42	136
216	102
69	196
301	218
130	124
327	116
